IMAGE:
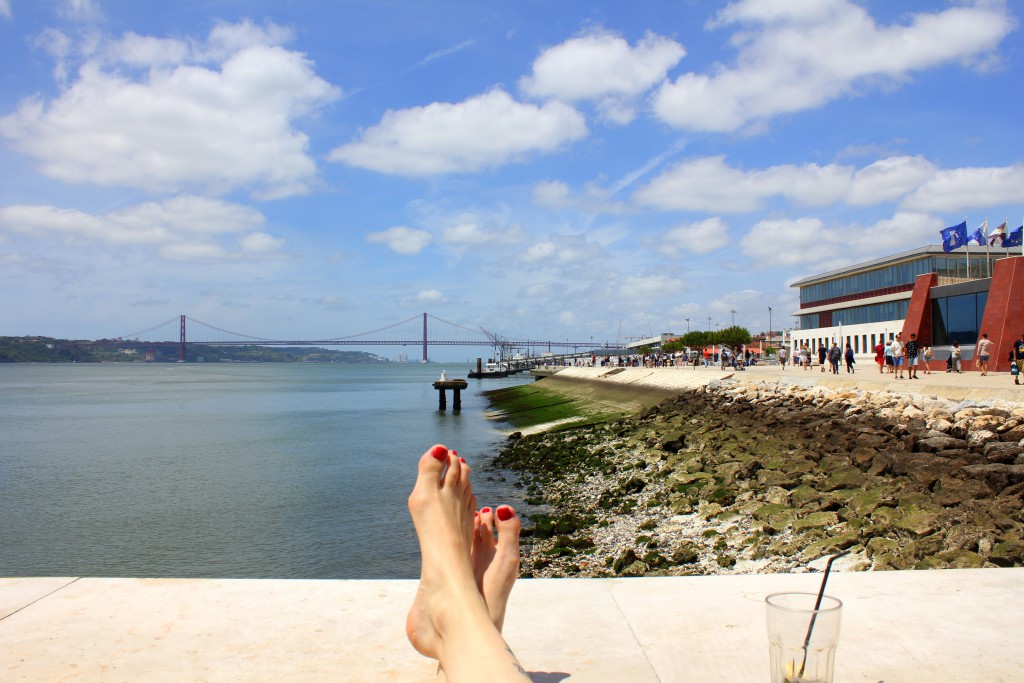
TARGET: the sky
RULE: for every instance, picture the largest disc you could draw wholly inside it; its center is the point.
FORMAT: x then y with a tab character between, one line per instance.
545	170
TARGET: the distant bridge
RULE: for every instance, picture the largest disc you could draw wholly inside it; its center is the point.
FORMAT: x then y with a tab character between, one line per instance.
423	330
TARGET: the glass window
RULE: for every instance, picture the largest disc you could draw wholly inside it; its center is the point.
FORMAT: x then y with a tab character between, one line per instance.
958	318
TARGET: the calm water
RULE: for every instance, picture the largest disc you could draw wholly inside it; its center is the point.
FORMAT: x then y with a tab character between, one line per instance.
248	470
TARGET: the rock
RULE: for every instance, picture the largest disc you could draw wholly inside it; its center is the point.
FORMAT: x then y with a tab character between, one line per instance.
803	495
844	477
997	476
1007	553
938	443
979	438
765	512
917	521
816	520
686	553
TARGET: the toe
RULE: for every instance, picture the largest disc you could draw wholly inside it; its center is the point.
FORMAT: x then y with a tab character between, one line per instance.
508	526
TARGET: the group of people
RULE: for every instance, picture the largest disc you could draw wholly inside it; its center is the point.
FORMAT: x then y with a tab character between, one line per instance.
899	357
834	355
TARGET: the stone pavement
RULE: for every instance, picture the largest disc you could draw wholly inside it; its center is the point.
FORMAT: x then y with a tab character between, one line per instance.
957	387
898	627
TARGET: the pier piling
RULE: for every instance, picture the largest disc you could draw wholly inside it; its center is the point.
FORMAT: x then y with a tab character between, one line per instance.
456	385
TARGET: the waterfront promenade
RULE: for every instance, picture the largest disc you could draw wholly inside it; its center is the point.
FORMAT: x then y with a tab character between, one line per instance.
898	627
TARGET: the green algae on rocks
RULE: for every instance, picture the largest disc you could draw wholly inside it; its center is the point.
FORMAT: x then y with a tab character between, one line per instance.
742	478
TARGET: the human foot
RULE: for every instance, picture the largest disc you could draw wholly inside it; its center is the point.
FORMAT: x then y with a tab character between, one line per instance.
441	505
496	561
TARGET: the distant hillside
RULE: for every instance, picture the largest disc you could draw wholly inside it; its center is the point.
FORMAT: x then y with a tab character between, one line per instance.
50	350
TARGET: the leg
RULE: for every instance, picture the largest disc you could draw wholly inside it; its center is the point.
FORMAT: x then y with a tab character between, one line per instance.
449	620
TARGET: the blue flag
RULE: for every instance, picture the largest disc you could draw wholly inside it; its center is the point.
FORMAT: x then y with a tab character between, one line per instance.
1015	238
954	237
978	237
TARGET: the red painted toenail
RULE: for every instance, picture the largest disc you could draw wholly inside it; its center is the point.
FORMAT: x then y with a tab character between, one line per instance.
505	513
439	452
462	460
455	453
484	511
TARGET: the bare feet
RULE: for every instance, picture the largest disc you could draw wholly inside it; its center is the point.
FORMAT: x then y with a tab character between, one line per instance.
449	619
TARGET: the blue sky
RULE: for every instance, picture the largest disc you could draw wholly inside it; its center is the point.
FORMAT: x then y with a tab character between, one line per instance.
541	169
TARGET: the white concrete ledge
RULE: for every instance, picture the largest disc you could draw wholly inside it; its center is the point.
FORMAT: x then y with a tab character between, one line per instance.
898	627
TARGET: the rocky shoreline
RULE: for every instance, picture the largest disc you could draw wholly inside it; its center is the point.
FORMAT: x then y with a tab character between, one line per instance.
744	477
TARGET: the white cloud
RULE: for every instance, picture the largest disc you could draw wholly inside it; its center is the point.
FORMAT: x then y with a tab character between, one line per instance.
135	50
602	66
180	227
193	251
809	241
475	234
647	288
702	237
482	132
179	124
799	55
430	296
5	8
889	179
962	188
709	184
562	250
80	10
401	239
789	242
551	194
260	243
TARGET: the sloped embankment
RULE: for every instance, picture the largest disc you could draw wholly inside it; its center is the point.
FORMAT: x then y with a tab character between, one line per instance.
565	401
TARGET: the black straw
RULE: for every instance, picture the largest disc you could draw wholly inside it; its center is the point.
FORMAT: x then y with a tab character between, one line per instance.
817	606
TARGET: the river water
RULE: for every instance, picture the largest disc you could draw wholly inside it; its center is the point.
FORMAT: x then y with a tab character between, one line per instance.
225	470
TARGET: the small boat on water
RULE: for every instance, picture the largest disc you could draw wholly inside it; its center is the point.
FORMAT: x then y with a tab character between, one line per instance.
490	370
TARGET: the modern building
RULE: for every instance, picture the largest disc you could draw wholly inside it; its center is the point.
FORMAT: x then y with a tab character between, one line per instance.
941	297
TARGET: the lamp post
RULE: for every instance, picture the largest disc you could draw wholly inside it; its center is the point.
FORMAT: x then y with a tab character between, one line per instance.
709	323
733	311
769	324
687	326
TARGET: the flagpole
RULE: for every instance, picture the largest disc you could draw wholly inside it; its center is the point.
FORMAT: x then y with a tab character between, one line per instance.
988	254
967	244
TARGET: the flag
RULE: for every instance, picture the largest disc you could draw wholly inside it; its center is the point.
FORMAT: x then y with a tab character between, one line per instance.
999	234
954	237
978	236
1015	238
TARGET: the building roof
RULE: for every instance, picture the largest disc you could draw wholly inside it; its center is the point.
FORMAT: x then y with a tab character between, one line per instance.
911	255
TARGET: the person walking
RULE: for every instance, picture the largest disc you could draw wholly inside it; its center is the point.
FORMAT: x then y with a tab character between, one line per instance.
880	356
848	356
889	367
911	351
926	356
954	357
834	356
822	354
1018	357
984	350
783	354
896	349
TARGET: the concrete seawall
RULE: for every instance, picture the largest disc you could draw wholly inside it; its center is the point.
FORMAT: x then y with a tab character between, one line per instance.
645	386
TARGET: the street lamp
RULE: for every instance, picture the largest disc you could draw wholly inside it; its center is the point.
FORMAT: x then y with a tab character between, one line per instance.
769	324
709	323
733	317
687	326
